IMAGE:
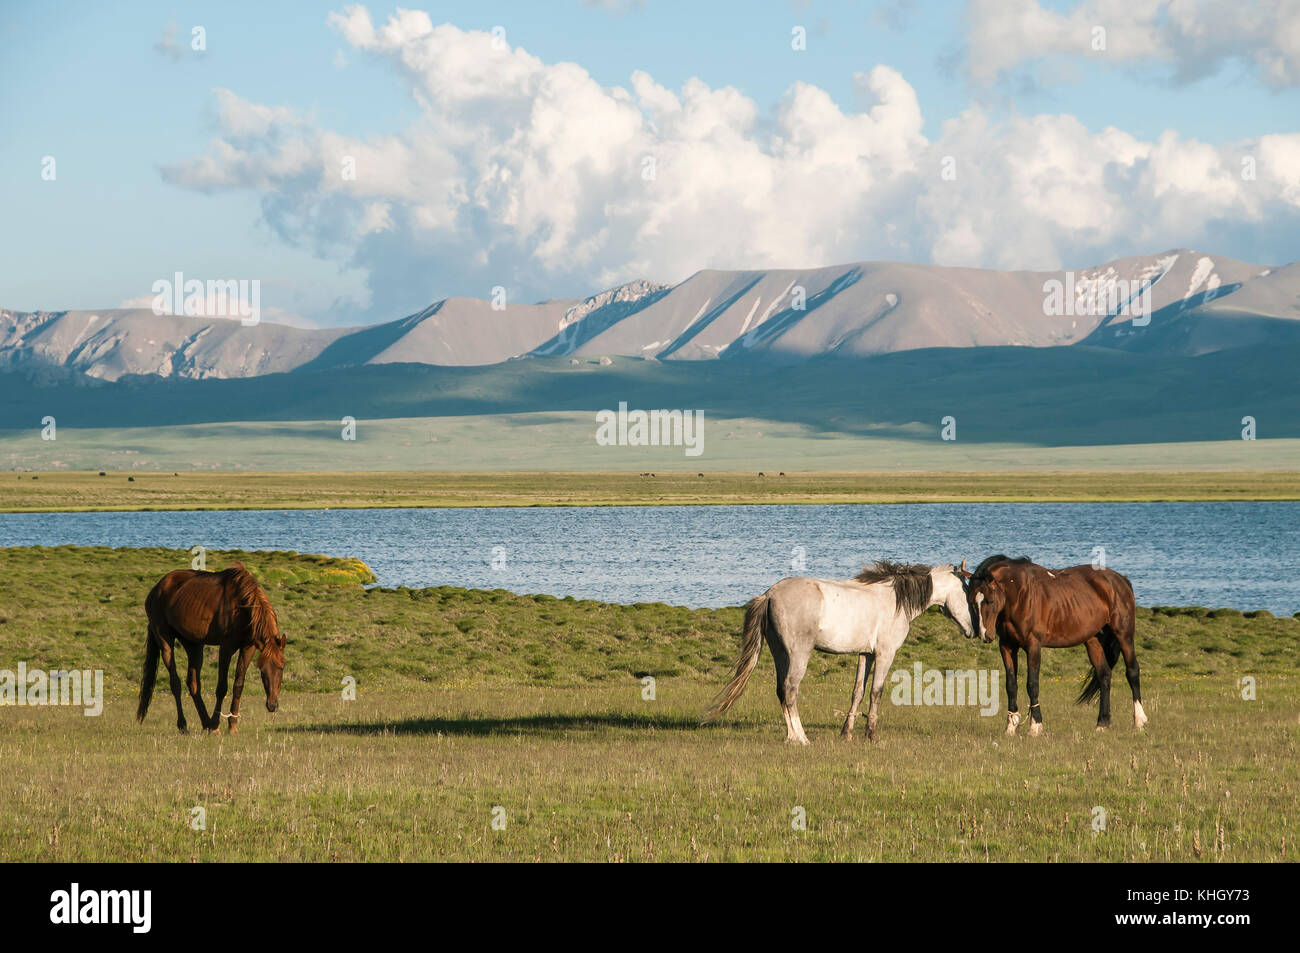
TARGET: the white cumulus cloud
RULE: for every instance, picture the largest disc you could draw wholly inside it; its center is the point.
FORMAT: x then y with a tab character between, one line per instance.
534	176
1193	38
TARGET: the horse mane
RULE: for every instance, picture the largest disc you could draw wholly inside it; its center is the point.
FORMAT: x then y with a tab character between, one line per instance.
261	616
912	583
985	569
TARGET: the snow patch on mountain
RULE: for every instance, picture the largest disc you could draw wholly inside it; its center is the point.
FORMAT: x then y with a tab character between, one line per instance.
629	293
1204	271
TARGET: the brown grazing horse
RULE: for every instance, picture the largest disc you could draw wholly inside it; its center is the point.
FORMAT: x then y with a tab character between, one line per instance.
227	609
1032	608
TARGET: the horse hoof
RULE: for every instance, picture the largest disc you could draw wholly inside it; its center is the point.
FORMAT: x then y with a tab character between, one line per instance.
846	736
1102	727
1035	729
1139	716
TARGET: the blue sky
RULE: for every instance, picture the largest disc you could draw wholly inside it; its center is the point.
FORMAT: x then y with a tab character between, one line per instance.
88	84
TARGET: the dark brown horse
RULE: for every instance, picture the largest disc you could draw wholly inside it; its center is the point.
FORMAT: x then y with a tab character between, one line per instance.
227	609
1032	608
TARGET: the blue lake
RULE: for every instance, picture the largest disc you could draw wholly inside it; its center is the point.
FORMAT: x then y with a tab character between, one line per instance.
1244	555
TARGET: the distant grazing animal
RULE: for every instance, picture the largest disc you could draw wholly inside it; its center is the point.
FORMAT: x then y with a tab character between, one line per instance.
227	609
868	615
1032	608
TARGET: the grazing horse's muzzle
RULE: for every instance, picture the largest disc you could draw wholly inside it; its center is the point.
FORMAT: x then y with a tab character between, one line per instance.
271	675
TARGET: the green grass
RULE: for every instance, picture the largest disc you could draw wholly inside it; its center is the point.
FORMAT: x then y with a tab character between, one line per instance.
596	773
184	490
468	700
82	607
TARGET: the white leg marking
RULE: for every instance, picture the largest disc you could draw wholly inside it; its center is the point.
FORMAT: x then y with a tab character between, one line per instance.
798	727
789	724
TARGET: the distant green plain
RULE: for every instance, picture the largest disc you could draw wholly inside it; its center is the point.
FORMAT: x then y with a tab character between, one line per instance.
188	490
565	441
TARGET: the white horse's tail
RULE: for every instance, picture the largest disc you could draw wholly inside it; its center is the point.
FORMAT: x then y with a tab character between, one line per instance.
751	644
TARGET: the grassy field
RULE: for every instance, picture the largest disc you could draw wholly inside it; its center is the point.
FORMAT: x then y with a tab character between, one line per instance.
185	490
470	701
565	441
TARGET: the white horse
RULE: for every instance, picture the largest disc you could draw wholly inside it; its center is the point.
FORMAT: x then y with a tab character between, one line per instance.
868	615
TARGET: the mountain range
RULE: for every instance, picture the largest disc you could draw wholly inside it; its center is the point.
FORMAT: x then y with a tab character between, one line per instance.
1197	304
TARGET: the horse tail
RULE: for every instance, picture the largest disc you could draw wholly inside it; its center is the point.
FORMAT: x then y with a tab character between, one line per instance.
150	673
751	644
1091	683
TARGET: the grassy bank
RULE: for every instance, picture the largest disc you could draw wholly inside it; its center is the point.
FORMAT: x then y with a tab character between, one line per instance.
184	490
468	701
83	607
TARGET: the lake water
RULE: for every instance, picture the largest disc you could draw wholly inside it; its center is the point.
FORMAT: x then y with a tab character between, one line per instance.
1243	555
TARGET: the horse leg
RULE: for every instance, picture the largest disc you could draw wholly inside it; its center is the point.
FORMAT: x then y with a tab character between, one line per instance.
1033	656
1011	662
1127	646
859	687
1097	656
195	653
168	643
790	667
781	659
223	669
241	666
884	659
798	665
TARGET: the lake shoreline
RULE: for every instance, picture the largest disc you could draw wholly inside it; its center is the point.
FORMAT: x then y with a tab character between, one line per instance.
1232	554
207	491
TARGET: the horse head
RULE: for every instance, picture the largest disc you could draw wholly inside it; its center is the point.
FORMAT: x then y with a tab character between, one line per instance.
270	642
950	595
986	598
